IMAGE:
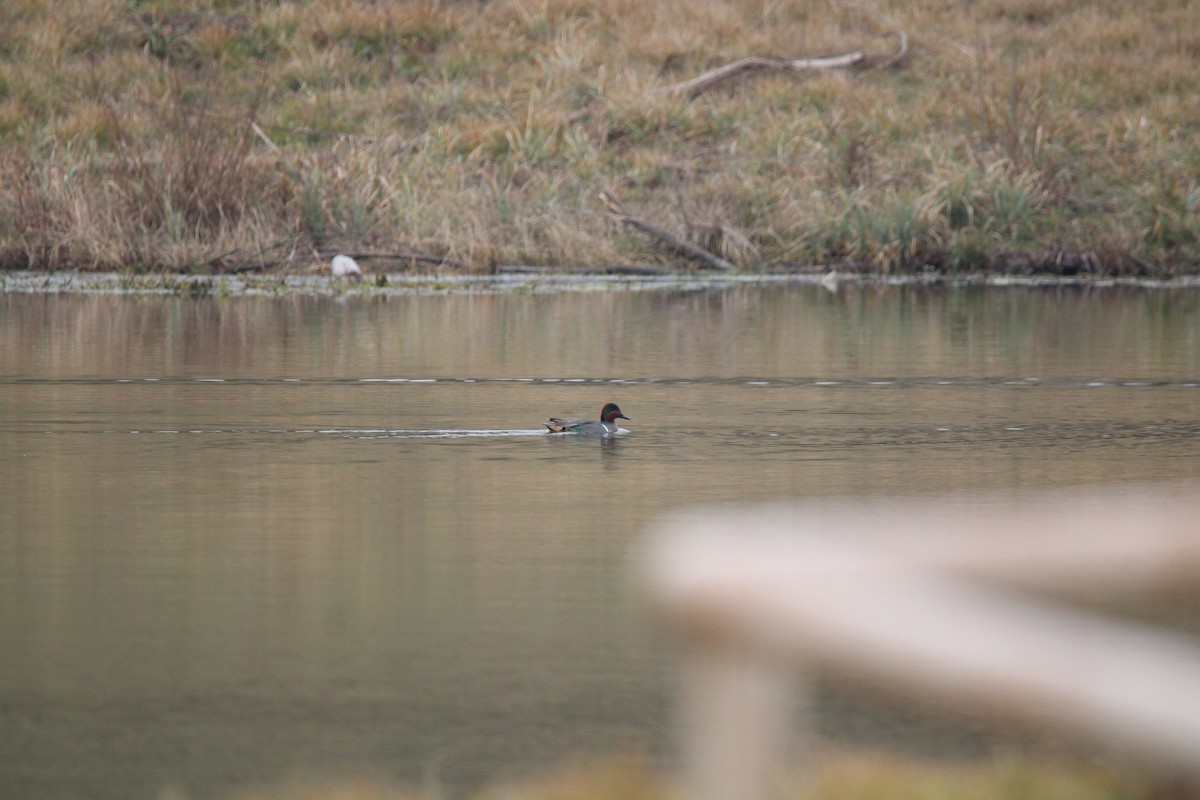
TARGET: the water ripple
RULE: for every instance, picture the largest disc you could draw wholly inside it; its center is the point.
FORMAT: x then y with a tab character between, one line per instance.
356	433
743	380
997	435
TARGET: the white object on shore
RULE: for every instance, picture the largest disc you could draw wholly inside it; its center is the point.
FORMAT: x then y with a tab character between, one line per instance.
342	266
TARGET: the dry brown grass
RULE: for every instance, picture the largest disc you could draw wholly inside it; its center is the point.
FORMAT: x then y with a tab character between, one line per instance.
843	776
1014	133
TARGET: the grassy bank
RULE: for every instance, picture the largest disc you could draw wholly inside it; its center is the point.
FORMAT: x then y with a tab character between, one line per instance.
844	777
200	135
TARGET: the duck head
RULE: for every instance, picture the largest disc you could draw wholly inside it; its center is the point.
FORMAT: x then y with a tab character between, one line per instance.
611	413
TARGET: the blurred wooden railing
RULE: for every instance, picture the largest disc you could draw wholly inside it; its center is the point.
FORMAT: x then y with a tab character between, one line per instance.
956	603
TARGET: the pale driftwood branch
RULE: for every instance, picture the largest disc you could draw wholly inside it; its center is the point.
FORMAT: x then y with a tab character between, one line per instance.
672	242
757	65
895	30
901	51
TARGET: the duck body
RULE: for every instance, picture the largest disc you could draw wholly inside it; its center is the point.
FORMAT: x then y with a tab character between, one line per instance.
605	425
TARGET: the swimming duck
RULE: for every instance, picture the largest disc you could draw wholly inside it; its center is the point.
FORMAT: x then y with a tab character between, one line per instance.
606	424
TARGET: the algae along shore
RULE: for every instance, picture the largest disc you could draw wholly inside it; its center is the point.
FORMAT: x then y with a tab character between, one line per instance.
1002	137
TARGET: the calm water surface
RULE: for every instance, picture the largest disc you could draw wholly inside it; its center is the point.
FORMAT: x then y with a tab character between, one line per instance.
245	539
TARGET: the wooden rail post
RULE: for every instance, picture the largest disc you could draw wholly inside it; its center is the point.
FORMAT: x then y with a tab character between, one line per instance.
738	716
929	600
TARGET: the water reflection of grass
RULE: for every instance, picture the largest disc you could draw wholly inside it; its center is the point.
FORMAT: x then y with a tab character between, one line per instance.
844	777
171	135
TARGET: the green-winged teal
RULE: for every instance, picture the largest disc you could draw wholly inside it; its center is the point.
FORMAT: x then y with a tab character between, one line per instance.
606	424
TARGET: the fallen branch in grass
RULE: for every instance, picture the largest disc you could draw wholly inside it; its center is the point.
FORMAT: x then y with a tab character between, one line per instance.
638	270
895	32
422	258
758	65
671	242
231	263
511	269
251	263
411	258
896	57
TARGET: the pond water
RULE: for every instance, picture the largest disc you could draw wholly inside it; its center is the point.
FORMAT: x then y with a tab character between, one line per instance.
243	539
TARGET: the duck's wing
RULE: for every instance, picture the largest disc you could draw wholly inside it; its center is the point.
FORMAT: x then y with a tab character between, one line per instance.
557	425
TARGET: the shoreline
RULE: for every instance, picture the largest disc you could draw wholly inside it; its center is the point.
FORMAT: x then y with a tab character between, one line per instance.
416	284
